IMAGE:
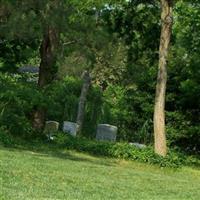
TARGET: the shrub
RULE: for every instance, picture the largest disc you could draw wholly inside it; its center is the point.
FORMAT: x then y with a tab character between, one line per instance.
130	110
64	98
124	151
183	133
5	137
17	101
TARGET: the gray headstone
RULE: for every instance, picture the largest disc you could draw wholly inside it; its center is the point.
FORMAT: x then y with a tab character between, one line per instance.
29	69
138	145
32	71
70	127
106	132
51	127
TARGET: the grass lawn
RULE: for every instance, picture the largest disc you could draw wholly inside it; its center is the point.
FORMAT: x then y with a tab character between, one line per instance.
53	174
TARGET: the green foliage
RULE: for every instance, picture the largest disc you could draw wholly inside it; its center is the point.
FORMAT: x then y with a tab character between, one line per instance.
64	98
93	110
17	102
19	98
136	23
124	151
130	110
181	132
14	52
5	138
118	41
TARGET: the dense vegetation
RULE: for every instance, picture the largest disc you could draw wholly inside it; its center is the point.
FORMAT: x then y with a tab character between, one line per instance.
117	43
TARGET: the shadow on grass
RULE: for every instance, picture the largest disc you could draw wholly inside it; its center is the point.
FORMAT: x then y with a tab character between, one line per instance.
52	150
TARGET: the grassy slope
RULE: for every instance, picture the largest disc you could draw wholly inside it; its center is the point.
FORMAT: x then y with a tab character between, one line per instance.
70	175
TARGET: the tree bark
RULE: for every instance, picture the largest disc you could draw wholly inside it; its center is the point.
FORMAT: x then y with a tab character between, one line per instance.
38	119
160	146
47	71
82	100
48	47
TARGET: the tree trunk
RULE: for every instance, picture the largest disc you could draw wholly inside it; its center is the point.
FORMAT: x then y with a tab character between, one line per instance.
47	71
159	109
82	100
38	119
48	57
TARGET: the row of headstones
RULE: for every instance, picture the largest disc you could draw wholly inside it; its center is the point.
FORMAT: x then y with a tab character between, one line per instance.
105	132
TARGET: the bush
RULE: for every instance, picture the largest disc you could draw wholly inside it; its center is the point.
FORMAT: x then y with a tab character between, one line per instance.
19	98
124	151
183	133
5	137
130	110
64	98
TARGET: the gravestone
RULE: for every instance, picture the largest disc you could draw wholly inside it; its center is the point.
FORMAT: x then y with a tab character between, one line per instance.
28	69
70	127
106	132
31	71
51	127
138	145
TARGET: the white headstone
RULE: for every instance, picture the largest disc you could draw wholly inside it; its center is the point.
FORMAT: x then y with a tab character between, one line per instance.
106	132
138	145
70	127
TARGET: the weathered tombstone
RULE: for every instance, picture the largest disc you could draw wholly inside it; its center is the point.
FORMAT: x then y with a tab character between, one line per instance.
106	132
51	127
70	127
31	71
138	145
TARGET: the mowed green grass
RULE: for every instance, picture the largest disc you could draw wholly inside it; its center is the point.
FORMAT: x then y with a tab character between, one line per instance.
70	175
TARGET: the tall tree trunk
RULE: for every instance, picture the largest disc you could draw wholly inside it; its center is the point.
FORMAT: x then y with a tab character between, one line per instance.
47	71
48	57
159	109
82	100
